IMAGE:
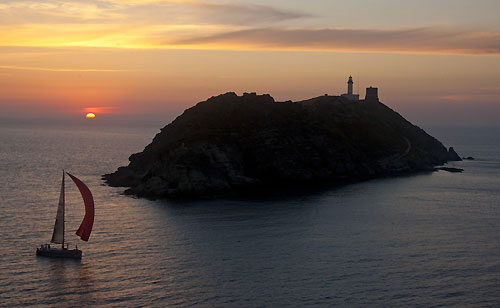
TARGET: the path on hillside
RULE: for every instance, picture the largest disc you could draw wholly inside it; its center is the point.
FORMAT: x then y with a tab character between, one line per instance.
408	148
391	158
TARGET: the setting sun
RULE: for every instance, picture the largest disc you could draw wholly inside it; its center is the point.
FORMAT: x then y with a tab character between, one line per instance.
90	115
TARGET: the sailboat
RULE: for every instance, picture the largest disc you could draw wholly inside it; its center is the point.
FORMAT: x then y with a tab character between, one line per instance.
83	231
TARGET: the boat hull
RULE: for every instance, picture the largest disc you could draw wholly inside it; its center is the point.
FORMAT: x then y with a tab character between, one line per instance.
59	253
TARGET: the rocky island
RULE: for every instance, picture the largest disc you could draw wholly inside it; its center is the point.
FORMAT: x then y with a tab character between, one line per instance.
232	143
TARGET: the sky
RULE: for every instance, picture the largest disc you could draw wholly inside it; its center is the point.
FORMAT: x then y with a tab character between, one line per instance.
436	62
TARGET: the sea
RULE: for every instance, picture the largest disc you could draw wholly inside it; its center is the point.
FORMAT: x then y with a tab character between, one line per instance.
425	240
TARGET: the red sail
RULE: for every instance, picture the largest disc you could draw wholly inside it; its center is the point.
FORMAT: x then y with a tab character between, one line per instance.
88	221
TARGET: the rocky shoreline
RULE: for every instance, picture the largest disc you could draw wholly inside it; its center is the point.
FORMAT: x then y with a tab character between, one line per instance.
230	143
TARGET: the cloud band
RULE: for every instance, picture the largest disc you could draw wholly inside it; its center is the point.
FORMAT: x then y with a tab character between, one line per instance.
417	40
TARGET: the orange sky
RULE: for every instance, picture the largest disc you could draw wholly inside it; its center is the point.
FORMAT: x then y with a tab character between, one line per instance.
126	57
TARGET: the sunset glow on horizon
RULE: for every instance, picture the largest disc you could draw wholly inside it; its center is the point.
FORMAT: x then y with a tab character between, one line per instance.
125	56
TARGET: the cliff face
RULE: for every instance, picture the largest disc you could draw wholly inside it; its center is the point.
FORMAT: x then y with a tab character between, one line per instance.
230	142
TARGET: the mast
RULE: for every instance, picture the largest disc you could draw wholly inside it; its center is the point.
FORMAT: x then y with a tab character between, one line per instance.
58	234
63	209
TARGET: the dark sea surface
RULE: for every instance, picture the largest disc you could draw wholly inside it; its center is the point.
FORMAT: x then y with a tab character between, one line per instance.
429	240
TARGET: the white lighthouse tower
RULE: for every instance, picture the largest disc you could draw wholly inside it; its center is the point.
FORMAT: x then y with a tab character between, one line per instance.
350	95
349	86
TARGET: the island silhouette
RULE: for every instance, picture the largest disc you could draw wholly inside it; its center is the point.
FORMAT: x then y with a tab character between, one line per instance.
231	144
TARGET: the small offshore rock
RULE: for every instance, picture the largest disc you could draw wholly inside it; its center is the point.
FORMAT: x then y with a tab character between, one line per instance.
452	155
451	169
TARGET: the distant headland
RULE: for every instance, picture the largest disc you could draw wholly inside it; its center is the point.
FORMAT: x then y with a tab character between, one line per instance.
232	143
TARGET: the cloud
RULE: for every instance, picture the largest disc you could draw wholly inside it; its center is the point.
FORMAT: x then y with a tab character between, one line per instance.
57	12
154	12
48	69
203	24
418	40
99	110
472	97
125	23
237	14
225	13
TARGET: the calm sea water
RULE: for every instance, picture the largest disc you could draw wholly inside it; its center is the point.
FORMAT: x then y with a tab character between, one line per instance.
426	240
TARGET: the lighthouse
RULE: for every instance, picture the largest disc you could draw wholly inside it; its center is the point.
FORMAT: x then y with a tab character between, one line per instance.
350	95
349	86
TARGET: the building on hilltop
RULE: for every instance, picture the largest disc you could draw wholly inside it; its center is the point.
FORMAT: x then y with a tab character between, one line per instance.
371	94
350	95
